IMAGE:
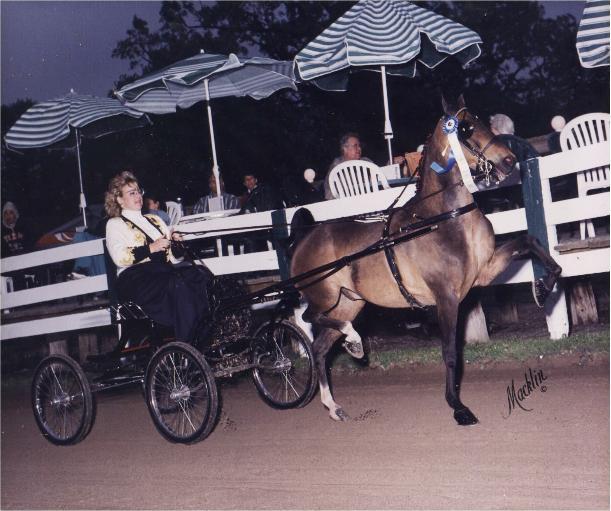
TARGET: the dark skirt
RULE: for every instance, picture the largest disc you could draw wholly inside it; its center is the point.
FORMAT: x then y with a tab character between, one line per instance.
172	295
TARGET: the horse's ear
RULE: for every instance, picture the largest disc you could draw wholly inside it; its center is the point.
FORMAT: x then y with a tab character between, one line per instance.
461	102
445	105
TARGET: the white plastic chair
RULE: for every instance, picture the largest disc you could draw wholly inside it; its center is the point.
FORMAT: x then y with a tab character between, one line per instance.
174	211
356	177
391	171
583	131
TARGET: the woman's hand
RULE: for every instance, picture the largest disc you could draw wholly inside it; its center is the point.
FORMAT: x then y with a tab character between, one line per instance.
159	245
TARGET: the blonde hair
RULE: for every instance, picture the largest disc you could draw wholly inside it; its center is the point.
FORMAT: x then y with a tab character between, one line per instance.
115	188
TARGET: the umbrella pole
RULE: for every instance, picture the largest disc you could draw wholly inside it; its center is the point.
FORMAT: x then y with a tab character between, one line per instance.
83	201
215	166
388	134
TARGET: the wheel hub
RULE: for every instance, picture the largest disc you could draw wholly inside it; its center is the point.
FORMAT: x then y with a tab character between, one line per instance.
182	393
62	399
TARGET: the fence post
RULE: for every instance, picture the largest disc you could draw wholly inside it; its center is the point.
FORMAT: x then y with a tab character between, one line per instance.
537	194
280	234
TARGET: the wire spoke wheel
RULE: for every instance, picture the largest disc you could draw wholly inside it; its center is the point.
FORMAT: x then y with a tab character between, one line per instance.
61	400
181	393
284	375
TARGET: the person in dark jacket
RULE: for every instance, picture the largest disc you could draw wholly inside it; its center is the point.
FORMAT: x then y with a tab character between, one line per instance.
259	196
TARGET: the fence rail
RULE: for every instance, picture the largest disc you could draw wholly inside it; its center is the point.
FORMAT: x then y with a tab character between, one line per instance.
195	227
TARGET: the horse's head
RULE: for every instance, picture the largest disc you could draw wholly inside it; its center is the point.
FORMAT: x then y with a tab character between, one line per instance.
488	159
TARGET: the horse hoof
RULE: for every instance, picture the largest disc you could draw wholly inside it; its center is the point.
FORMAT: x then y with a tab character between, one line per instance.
464	417
354	348
540	292
339	415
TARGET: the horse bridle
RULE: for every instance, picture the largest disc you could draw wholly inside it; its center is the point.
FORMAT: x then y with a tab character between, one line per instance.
484	169
484	166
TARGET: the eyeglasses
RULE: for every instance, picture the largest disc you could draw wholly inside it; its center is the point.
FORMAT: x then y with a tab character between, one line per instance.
136	192
352	146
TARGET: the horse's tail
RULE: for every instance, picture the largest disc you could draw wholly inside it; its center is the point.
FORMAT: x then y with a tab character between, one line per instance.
301	224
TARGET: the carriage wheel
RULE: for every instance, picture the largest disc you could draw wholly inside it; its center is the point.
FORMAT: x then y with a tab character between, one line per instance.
181	393
61	400
285	374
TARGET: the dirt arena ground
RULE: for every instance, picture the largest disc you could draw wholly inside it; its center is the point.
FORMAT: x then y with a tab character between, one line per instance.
401	450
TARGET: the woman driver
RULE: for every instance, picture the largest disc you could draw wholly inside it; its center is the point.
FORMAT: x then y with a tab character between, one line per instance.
146	261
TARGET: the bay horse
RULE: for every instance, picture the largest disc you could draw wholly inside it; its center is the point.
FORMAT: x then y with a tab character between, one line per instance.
435	269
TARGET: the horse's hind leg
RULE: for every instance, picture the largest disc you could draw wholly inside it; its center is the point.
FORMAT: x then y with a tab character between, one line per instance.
447	311
522	246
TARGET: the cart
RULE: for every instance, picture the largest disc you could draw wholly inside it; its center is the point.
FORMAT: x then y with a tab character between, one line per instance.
179	379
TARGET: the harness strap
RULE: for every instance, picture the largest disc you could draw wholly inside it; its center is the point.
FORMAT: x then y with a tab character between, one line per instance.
389	250
440	218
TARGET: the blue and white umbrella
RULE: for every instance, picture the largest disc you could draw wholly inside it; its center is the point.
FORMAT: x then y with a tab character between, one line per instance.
390	36
593	34
50	123
204	77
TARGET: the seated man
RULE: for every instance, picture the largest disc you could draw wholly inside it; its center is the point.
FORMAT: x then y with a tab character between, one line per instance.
229	201
350	149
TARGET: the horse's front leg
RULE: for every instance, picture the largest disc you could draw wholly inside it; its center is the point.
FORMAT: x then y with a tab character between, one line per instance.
321	346
520	247
447	312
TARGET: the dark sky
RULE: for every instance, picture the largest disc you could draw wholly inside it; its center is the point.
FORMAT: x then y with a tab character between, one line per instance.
50	47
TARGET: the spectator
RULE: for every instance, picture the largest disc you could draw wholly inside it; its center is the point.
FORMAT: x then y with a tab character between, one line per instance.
259	197
153	205
502	125
15	237
229	201
350	149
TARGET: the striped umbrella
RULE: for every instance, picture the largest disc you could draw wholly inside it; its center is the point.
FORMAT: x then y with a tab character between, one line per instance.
389	36
204	77
48	124
593	34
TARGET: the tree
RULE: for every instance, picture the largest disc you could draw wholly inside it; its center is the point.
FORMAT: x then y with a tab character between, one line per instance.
526	60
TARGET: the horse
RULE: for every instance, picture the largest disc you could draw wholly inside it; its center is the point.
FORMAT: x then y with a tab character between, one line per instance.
456	253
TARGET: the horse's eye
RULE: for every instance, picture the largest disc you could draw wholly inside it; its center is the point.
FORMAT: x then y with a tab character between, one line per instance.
465	130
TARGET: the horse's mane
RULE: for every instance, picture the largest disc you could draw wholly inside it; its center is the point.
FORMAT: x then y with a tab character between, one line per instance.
420	166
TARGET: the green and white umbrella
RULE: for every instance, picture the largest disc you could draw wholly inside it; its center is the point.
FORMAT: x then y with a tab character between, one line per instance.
593	34
49	125
204	77
388	36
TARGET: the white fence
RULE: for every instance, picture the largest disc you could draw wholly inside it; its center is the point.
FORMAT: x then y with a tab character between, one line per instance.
578	263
